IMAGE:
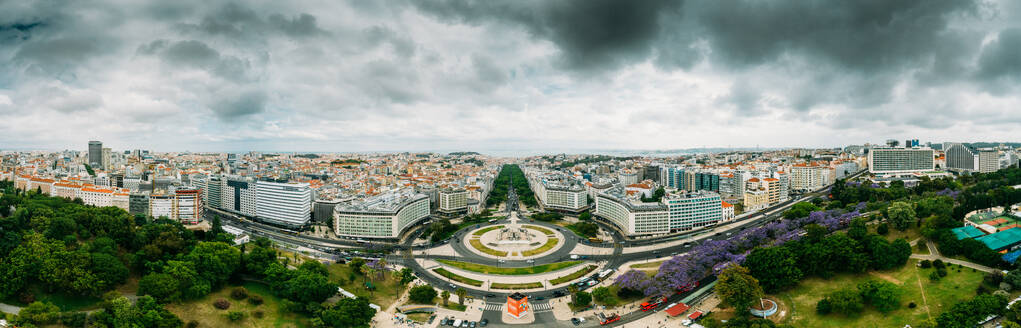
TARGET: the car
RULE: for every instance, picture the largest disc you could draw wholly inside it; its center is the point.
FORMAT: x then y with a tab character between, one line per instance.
502	261
540	298
474	324
490	295
575	321
558	293
530	261
483	323
431	318
452	286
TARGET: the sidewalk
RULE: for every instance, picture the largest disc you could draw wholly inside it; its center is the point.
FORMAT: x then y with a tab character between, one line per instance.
935	255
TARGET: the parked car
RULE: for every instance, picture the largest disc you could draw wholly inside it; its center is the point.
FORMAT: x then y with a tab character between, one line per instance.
484	322
575	321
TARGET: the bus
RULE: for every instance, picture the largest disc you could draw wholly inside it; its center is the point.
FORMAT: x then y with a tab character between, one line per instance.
605	273
594	240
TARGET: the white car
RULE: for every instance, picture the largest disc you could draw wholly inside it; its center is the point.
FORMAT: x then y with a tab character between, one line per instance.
574	256
502	261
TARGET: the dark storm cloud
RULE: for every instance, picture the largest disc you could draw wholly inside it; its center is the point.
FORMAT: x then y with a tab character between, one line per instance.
591	34
243	104
239	23
198	55
866	45
1001	59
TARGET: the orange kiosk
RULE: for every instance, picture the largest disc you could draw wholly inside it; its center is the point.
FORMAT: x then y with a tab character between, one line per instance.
517	305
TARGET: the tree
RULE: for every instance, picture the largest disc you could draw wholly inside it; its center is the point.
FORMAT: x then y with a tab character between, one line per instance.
846	301
823	306
356	264
884	296
857	229
422	294
215	261
883	228
800	210
161	286
40	313
774	267
109	270
737	288
445	295
461	292
406	275
966	313
582	299
572	289
585	216
901	215
602	294
348	312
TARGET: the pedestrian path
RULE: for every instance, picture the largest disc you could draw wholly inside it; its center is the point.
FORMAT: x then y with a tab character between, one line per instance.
536	307
542	307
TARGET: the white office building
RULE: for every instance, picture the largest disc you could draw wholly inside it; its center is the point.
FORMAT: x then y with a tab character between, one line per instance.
382	216
453	200
681	211
238	195
288	204
893	161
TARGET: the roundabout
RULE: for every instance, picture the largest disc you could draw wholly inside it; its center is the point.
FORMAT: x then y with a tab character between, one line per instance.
514	241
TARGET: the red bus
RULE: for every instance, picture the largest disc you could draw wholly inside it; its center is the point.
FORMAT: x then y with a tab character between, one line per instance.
653	303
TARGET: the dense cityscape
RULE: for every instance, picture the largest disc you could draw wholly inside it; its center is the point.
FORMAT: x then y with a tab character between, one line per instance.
559	239
510	163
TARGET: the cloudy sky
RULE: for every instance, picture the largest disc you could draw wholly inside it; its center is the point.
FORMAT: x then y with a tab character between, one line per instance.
505	75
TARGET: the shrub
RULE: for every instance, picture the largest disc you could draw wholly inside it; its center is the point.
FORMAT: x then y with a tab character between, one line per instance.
235	315
239	293
221	304
883	229
255	300
422	294
925	264
257	314
192	324
942	272
823	307
938	264
72	319
935	276
912	305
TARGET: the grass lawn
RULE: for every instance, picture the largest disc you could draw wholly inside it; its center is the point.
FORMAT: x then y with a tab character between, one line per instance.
550	242
649	265
485	230
420	317
387	290
454	277
510	271
613	300
479	246
939	296
909	235
203	312
540	229
574	275
527	285
577	231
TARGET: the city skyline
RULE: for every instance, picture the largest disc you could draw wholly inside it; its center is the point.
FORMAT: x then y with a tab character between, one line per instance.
516	77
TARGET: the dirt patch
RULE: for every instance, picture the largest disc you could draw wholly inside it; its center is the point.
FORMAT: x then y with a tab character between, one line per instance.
886	277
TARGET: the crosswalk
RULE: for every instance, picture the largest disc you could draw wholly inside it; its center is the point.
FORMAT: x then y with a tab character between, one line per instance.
542	307
536	307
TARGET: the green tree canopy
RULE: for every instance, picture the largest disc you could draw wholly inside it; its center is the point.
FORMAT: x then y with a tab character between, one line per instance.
738	288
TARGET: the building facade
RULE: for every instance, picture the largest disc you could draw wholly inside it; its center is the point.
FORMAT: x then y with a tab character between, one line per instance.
288	204
382	216
901	160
